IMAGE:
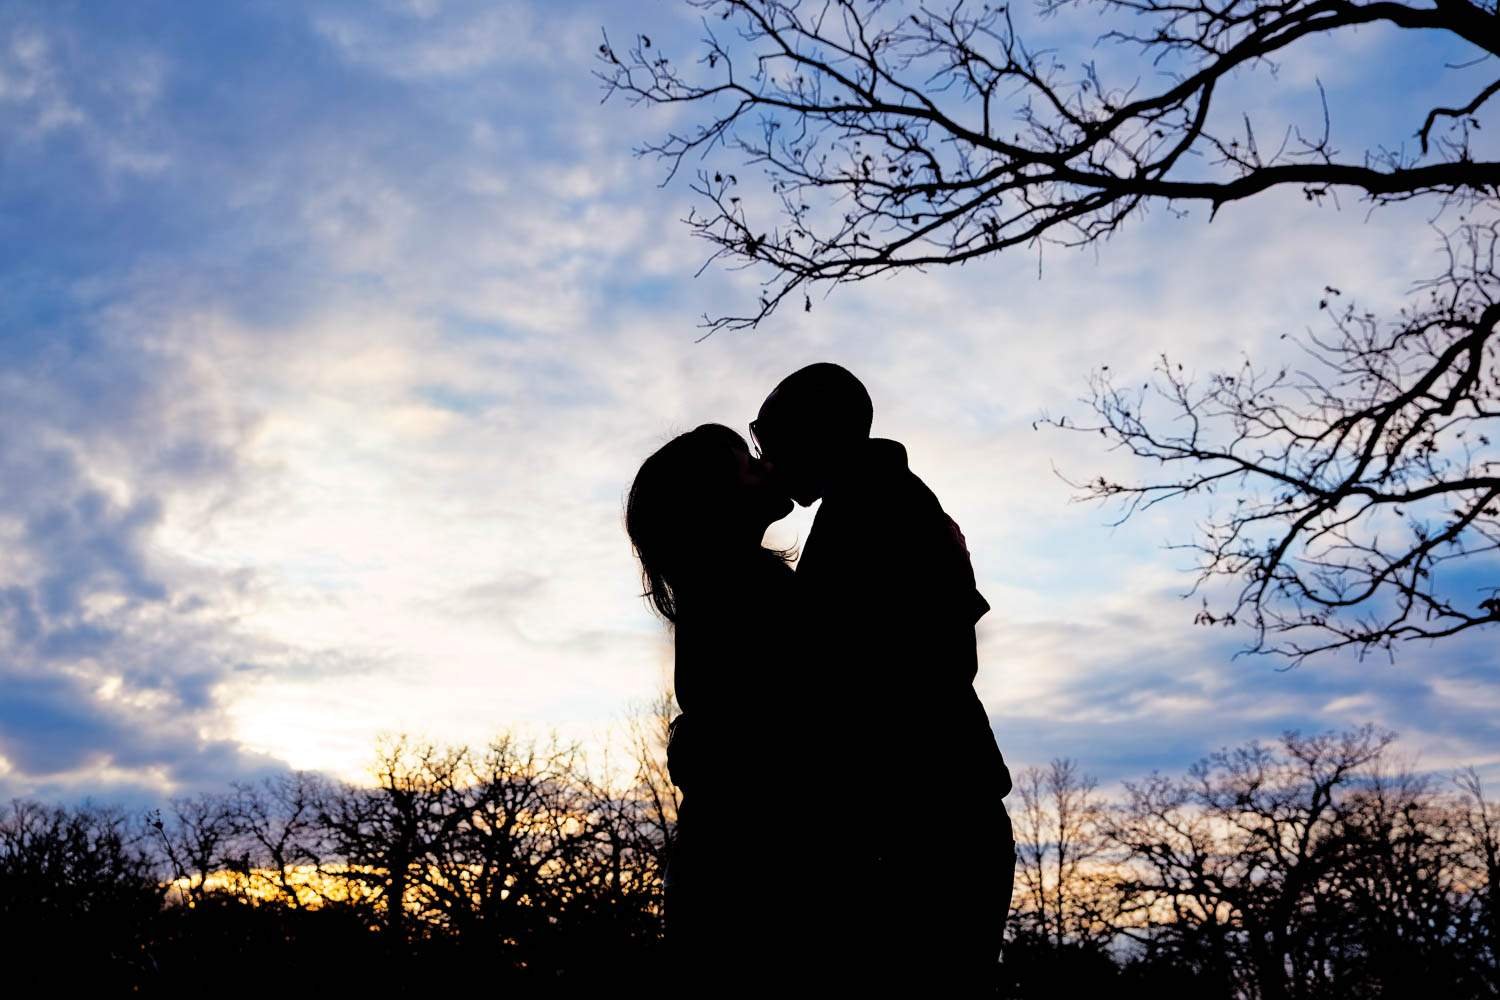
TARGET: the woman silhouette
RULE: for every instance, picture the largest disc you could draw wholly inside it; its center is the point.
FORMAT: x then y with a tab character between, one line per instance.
696	515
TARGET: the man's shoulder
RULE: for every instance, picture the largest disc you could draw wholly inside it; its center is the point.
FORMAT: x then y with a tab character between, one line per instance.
881	476
912	488
901	488
889	500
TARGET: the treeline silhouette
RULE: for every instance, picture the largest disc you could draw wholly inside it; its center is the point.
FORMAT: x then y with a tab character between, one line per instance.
1317	866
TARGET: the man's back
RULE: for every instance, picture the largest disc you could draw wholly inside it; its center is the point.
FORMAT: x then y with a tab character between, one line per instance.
890	591
913	767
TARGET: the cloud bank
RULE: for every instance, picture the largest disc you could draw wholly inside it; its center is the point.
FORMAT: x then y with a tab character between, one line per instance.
335	333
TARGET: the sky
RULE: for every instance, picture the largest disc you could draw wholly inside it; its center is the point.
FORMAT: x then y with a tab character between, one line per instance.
331	335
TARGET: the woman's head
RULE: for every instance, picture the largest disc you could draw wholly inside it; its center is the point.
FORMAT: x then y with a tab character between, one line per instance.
697	499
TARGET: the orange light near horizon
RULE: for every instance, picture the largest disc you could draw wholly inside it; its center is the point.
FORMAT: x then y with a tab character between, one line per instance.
315	886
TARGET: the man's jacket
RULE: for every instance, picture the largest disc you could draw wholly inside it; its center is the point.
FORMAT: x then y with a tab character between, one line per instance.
891	605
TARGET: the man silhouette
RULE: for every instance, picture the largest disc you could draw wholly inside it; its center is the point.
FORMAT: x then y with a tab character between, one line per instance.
922	852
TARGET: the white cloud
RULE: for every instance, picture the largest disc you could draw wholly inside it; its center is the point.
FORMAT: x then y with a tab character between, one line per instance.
52	85
430	40
389	429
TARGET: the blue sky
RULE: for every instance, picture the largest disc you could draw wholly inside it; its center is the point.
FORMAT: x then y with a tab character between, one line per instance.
332	333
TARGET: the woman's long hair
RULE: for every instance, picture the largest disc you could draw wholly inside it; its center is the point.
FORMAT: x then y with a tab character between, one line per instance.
677	512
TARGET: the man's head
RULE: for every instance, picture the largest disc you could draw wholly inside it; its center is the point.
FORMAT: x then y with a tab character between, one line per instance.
810	424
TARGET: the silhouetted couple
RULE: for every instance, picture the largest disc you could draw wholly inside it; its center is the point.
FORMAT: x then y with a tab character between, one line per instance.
841	822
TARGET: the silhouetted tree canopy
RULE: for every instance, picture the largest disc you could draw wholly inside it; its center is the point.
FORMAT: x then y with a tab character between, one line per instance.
1311	867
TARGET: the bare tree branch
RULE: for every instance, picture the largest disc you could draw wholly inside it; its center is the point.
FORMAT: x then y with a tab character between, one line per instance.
863	121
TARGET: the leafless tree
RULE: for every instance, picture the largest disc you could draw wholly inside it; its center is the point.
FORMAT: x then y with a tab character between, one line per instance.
516	838
1064	862
944	137
1403	897
869	137
648	732
1366	499
90	856
1481	823
384	832
515	844
1177	901
196	839
84	877
1237	869
636	827
278	820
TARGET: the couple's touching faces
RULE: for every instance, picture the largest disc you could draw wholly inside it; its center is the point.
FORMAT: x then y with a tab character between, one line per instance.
809	427
763	498
784	463
707	494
